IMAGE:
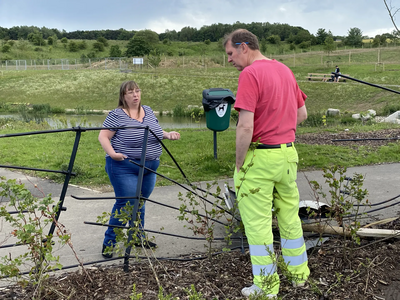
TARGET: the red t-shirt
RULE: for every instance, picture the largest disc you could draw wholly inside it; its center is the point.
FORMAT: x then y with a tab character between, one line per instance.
269	89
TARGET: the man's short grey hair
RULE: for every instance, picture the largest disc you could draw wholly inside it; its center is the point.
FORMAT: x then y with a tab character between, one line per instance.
242	36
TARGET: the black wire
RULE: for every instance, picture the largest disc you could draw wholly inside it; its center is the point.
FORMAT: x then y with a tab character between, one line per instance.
184	187
364	82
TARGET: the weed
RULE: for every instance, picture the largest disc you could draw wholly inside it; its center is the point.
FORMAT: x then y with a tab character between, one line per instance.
202	214
346	199
28	224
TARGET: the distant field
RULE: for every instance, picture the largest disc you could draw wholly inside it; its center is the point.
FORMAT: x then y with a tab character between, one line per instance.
165	88
182	82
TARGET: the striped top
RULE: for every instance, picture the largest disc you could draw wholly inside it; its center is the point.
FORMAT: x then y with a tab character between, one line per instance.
130	141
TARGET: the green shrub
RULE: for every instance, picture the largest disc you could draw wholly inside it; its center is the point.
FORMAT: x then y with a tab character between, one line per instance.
390	109
348	120
179	111
43	108
314	120
57	110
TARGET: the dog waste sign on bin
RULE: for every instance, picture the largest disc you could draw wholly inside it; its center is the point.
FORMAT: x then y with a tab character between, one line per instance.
217	107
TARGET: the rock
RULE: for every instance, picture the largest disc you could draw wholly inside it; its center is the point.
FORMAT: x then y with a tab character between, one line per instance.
333	112
372	112
393	118
356	116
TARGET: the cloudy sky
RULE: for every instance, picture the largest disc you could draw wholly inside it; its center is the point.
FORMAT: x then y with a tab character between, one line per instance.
370	16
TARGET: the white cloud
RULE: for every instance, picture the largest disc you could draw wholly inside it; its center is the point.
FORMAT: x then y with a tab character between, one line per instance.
375	32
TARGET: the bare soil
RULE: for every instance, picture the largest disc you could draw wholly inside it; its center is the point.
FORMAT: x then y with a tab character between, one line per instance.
370	270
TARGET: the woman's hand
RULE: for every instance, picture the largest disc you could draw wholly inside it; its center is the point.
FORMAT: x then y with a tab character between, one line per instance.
172	135
118	156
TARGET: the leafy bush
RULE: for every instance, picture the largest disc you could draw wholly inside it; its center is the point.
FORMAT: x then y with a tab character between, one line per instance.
82	45
91	54
6	48
44	108
179	111
115	51
57	110
314	120
73	46
97	46
103	40
348	120
390	109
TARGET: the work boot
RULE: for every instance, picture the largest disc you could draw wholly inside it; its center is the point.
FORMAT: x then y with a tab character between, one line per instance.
105	253
255	290
298	284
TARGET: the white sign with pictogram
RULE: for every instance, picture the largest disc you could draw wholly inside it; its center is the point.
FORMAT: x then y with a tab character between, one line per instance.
221	109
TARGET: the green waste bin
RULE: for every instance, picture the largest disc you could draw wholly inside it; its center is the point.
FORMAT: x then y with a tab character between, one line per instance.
217	106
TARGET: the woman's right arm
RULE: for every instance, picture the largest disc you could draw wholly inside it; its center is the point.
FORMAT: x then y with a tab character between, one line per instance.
105	136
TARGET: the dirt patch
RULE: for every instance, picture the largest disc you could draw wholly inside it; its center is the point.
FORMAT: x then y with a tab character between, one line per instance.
368	271
370	138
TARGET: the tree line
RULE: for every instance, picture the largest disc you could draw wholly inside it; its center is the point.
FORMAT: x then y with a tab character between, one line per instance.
275	32
145	42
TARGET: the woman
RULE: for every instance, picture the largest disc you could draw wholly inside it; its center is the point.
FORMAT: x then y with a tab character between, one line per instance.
122	145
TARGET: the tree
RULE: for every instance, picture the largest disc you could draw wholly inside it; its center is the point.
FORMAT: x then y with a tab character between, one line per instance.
263	45
154	57
115	51
99	47
36	38
103	41
137	47
73	46
64	40
50	41
354	37
392	13
23	45
6	48
329	44
147	35
82	45
305	45
274	39
321	36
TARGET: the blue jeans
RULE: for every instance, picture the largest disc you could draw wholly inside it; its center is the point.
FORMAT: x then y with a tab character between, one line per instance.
124	178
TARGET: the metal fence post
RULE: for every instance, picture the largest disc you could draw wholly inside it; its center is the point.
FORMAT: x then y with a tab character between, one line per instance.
138	193
78	131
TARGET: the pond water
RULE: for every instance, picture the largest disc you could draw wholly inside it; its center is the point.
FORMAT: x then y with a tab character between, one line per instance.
68	121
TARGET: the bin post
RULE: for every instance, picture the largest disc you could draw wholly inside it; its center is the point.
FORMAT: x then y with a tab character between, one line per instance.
215	144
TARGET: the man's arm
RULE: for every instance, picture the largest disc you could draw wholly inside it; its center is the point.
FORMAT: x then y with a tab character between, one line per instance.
244	133
301	114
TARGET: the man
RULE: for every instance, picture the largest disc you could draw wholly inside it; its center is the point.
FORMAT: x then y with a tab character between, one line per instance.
270	105
337	71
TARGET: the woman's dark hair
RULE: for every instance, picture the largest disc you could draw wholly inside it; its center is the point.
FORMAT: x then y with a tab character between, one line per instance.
242	36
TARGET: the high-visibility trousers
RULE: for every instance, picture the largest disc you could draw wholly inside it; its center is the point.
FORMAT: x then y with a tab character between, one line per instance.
269	178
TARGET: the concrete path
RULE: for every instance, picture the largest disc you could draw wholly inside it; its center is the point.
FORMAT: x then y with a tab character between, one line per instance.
382	182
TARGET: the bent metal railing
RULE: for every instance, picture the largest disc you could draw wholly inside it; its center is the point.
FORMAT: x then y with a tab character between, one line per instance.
68	174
